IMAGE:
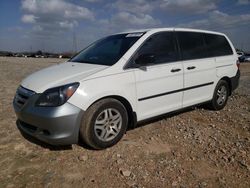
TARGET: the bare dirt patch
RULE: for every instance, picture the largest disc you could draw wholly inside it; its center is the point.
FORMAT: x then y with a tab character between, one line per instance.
195	148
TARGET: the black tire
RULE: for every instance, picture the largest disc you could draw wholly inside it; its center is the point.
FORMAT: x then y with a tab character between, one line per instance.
215	103
88	132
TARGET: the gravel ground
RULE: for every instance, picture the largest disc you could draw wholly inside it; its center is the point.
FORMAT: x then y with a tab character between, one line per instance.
194	148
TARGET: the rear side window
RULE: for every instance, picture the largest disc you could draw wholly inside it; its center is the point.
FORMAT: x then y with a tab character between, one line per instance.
161	46
192	45
217	45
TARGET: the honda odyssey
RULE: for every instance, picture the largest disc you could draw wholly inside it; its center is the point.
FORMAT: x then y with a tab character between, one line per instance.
125	78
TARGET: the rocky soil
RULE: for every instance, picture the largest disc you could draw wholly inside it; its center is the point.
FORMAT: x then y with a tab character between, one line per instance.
194	148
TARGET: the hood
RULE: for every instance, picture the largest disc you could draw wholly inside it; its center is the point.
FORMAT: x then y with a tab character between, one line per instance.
59	74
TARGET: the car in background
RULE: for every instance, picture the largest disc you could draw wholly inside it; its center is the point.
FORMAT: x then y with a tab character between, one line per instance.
247	58
240	54
241	59
244	58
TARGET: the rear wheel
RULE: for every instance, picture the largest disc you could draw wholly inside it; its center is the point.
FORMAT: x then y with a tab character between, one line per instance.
220	96
104	123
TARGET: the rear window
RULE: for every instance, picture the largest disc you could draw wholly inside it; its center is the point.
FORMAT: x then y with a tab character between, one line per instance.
192	45
217	45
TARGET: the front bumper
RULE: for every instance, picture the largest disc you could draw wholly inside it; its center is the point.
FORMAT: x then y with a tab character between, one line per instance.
53	125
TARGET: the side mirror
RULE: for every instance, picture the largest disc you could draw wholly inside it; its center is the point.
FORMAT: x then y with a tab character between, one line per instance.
144	59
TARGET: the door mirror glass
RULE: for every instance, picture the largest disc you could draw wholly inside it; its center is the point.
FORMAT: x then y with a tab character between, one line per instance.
145	59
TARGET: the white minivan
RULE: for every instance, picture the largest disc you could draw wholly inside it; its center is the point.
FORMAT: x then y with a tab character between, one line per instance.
125	78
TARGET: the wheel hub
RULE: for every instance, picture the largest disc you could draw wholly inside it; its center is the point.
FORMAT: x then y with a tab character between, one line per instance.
108	124
221	95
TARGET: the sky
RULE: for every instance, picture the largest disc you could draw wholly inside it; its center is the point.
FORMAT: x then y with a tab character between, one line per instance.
69	25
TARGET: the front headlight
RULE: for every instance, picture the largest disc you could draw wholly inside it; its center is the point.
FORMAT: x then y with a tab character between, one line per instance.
57	96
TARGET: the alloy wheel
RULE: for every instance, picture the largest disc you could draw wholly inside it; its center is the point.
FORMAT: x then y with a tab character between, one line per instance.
108	124
221	95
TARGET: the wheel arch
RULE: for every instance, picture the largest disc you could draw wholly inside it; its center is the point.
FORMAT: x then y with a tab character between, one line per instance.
132	121
228	80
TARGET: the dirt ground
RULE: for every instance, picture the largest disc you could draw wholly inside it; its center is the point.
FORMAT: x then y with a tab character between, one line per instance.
195	148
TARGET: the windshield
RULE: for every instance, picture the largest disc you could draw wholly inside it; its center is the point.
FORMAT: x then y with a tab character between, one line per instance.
107	51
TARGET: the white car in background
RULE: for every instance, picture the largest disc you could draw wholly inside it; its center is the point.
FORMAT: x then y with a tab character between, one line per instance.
240	54
246	57
125	78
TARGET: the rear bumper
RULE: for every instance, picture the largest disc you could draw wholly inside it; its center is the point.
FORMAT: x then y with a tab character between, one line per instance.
235	80
53	125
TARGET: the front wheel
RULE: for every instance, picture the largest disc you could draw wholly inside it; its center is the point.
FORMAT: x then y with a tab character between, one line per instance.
104	123
220	96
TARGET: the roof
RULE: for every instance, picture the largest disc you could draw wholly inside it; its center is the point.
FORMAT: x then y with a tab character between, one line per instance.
153	30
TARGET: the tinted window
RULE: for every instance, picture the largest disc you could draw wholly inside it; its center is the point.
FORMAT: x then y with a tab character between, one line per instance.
107	51
192	45
217	45
161	46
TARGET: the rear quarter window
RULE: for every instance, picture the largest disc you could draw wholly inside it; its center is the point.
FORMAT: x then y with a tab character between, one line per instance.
217	45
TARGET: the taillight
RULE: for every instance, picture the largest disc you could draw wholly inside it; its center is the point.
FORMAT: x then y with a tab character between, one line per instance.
238	64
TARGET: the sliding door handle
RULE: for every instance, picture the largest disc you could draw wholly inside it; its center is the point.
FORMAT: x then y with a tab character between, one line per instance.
175	70
190	68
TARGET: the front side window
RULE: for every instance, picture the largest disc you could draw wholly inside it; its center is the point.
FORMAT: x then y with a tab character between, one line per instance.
161	47
107	51
192	45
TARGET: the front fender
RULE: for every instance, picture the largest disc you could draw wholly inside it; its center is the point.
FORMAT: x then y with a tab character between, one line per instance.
90	91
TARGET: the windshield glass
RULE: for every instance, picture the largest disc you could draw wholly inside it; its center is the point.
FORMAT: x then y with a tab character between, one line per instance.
107	51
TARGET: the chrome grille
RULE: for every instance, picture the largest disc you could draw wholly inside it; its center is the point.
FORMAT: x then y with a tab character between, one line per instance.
22	96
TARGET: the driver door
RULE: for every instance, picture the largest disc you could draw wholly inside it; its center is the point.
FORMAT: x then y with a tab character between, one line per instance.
159	83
